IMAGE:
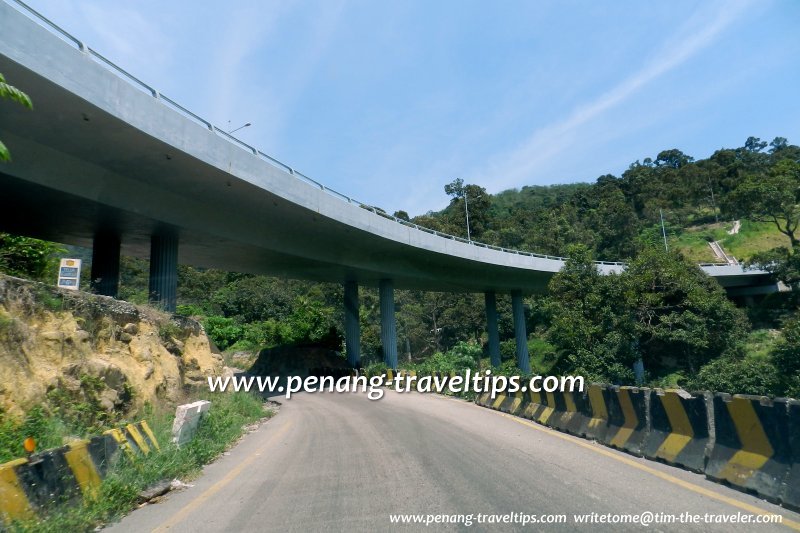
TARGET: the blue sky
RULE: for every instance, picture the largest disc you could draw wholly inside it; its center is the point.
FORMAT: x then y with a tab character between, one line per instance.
389	100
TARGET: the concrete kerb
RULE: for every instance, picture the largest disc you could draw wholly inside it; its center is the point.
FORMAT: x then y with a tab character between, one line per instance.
187	419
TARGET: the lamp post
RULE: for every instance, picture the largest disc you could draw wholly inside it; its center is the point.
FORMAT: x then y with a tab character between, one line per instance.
466	210
240	127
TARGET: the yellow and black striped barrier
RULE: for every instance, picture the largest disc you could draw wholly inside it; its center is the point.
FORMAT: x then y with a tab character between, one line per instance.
533	407
791	494
627	418
565	416
678	429
751	444
66	474
596	412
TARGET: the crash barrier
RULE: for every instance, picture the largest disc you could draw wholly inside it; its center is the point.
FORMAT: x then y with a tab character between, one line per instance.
679	429
751	443
66	474
791	496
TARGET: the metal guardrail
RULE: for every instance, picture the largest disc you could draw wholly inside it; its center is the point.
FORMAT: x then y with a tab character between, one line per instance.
123	74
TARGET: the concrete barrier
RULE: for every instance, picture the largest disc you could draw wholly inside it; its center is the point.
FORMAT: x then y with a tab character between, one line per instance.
187	419
69	473
14	503
678	429
627	418
48	479
83	467
791	494
498	401
596	412
565	416
751	444
533	407
513	402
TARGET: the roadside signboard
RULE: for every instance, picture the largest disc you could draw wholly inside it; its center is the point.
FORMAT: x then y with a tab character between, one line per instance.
69	274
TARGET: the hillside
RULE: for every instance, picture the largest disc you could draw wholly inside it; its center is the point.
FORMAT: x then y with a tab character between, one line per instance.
62	348
617	216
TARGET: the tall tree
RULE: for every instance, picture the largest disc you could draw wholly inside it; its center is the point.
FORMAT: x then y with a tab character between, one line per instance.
772	198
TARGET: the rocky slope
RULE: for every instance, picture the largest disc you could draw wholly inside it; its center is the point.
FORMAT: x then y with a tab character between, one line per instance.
57	344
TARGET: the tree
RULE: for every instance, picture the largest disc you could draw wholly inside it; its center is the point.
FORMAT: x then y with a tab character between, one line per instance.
673	158
475	215
683	318
754	144
15	95
589	326
772	198
786	357
778	144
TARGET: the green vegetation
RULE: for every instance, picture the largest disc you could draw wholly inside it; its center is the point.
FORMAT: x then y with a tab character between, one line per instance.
67	413
118	493
663	309
15	95
28	258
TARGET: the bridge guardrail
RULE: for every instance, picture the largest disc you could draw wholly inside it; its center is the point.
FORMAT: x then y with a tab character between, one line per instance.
133	80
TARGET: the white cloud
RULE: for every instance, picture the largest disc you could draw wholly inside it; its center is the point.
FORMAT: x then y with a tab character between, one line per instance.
544	145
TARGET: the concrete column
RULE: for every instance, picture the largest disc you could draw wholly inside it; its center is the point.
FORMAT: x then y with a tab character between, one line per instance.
491	328
164	271
520	333
388	326
105	264
352	328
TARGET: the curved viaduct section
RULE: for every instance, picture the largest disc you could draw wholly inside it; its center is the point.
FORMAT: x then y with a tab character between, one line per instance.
105	161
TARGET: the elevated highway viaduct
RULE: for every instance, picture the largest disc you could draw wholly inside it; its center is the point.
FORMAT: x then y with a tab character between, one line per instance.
106	161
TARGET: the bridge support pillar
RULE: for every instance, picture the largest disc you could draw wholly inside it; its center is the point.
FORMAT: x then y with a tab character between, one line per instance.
164	271
388	326
352	327
520	333
491	328
105	264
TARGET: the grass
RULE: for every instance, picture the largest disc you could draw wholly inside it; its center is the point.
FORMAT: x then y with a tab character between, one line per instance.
760	343
118	493
753	237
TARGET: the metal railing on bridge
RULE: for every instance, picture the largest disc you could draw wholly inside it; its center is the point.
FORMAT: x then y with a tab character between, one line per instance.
139	84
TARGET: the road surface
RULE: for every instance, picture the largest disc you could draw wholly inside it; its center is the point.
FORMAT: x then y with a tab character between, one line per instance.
339	462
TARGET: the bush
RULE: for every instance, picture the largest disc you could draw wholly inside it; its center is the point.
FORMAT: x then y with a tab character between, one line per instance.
786	358
28	258
462	356
118	493
223	331
737	376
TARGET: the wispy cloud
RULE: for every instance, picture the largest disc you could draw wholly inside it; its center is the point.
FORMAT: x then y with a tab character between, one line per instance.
519	165
246	29
251	37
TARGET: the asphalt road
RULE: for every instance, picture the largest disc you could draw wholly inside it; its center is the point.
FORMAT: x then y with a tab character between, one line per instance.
339	462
